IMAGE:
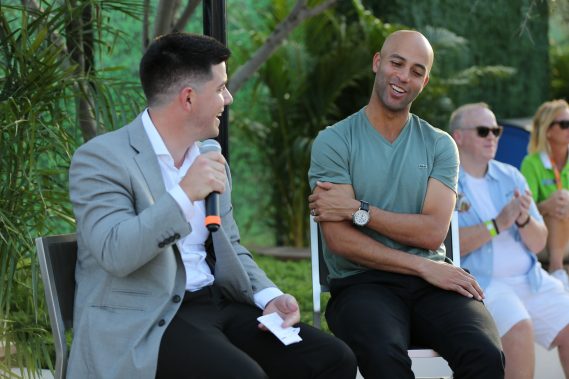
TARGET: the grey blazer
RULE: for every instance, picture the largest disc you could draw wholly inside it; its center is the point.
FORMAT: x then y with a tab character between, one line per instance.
130	276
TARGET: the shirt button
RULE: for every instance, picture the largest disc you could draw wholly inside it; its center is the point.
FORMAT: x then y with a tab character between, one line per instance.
176	298
161	322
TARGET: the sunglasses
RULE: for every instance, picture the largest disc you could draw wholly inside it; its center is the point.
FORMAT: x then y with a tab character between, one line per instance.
563	124
483	131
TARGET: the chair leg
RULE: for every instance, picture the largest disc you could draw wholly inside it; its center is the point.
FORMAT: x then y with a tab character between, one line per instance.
316	320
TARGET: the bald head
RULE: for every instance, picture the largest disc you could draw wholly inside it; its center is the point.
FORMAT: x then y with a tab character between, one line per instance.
464	115
476	132
402	69
409	41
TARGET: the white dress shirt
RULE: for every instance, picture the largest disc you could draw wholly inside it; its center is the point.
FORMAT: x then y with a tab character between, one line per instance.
192	247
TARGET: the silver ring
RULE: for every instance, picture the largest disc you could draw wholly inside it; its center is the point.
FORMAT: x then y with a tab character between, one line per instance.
313	212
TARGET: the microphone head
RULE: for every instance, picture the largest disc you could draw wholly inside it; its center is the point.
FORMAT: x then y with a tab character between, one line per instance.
209	145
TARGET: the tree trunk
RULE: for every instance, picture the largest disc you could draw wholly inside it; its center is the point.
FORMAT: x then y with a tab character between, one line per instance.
186	15
145	25
164	17
299	13
78	31
78	47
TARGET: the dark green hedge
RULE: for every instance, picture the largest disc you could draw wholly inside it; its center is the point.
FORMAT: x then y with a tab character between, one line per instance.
500	32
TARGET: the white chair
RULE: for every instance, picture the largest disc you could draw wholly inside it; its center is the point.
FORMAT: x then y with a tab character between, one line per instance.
320	274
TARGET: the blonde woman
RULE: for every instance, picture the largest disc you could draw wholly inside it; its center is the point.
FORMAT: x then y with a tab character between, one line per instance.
546	169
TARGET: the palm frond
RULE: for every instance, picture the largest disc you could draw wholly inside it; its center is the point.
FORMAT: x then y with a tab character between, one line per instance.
38	133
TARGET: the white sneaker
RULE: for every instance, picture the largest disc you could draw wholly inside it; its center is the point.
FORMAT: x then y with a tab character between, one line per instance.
561	275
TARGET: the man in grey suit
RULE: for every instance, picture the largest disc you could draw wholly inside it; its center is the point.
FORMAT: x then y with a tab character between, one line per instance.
148	304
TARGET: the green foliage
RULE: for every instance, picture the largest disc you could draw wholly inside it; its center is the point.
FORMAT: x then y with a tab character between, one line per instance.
436	102
249	23
38	133
502	33
36	150
559	49
294	277
560	72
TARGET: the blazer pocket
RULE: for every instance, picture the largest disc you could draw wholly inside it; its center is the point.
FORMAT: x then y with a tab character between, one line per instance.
119	298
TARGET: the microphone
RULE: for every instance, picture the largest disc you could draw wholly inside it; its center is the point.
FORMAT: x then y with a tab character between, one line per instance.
212	218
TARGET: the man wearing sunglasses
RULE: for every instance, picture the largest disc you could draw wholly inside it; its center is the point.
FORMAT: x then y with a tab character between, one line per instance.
501	231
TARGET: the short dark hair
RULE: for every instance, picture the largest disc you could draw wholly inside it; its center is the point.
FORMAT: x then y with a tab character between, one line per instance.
173	59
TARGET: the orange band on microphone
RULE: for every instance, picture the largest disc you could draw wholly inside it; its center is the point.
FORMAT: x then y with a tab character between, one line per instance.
213	220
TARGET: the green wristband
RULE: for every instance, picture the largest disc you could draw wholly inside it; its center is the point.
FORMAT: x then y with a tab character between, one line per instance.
491	229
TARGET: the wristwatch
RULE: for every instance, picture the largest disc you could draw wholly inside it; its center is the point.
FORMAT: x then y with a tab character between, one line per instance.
361	216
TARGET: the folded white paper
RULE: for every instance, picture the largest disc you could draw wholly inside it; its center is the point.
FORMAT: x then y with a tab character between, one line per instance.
273	322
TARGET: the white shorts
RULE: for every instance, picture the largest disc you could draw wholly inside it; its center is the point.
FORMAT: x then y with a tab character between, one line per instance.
511	300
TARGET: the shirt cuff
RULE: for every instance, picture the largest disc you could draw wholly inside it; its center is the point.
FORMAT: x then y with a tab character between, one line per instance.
184	202
263	297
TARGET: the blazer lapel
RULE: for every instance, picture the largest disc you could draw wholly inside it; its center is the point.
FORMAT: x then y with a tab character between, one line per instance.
146	157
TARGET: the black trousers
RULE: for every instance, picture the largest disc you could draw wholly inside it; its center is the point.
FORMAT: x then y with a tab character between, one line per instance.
380	314
211	337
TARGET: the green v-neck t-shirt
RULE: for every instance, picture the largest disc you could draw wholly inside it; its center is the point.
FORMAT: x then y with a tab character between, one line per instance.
390	176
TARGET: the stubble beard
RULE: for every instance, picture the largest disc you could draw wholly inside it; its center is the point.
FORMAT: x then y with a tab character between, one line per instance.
383	97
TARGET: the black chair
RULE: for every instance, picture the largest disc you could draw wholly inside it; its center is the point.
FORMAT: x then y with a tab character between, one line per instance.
57	256
320	274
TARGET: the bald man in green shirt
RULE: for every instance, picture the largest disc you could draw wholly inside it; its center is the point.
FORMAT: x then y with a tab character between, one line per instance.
384	188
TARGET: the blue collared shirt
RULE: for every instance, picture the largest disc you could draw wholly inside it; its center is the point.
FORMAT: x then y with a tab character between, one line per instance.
503	179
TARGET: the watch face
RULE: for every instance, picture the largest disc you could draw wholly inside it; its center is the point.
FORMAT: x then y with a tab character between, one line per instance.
361	217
